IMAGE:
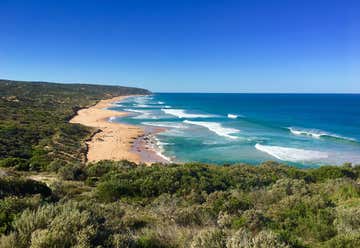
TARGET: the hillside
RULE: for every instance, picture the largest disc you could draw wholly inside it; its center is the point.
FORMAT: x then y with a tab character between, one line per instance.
34	117
50	198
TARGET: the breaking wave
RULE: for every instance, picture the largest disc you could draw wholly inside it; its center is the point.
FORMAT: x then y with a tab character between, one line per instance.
143	114
317	133
216	128
180	113
232	116
292	154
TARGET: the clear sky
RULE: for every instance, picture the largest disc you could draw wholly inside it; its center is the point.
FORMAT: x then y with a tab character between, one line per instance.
183	45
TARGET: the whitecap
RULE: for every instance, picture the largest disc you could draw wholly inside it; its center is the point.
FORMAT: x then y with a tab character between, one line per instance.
232	116
315	133
216	128
180	113
292	154
135	111
142	106
142	99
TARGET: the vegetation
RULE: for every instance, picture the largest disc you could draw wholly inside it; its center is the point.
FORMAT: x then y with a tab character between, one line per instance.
34	127
122	204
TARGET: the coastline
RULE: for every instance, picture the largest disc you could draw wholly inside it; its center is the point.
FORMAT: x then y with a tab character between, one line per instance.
113	140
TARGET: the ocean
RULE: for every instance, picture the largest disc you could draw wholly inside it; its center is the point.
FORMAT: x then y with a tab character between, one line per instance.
304	130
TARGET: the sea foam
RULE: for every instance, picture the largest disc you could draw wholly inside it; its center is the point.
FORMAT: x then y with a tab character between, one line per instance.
180	113
317	133
158	147
165	124
216	128
143	106
232	116
135	111
112	118
143	114
292	154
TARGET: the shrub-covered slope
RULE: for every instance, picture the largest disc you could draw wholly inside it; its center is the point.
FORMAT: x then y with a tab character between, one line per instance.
120	204
34	128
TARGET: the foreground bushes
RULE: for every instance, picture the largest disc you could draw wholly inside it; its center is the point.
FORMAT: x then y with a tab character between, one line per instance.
119	204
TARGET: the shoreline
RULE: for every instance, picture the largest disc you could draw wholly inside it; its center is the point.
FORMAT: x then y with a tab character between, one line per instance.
113	140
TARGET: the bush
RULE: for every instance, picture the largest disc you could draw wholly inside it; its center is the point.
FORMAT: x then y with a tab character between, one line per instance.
344	240
193	215
240	239
55	165
11	207
210	238
21	187
56	226
72	172
264	239
122	240
267	239
348	220
16	163
324	173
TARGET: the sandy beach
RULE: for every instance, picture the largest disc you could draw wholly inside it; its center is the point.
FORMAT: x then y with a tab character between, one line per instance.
114	141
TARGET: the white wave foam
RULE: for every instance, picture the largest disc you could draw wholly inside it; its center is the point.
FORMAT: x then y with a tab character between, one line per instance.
141	99
158	147
142	106
292	154
112	118
135	111
216	128
160	102
165	124
143	114
317	133
232	116
180	113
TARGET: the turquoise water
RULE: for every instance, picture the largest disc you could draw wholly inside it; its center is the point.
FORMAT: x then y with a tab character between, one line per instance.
305	130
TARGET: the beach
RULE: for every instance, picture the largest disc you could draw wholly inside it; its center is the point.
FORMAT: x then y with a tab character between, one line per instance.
113	140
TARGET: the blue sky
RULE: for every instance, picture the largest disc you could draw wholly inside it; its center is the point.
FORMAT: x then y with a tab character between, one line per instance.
187	46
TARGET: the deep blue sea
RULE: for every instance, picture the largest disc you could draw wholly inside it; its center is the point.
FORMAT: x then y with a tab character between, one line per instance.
305	130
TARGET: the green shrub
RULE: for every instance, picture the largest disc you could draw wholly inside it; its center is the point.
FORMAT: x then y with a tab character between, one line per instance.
324	173
16	163
193	215
72	172
11	207
55	165
344	240
21	187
